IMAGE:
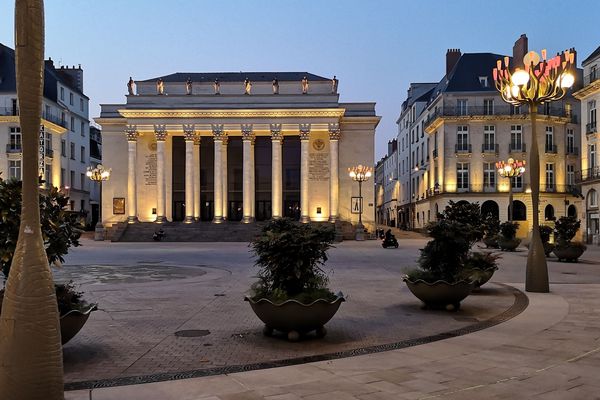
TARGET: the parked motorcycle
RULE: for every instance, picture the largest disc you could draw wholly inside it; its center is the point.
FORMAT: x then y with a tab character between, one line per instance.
389	240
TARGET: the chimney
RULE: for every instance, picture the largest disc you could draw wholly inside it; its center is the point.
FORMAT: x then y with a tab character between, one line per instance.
452	57
519	50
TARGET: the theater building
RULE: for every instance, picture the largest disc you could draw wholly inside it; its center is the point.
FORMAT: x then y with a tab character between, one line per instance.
240	147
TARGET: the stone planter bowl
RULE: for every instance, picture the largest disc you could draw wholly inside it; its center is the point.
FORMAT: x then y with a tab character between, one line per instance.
440	294
72	322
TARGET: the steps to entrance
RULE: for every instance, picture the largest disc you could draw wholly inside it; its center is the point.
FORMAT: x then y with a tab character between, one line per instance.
195	232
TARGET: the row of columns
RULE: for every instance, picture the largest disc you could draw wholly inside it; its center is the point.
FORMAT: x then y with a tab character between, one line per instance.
192	173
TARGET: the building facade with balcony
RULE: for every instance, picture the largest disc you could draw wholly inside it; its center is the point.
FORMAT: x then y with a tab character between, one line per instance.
589	175
467	128
65	129
236	146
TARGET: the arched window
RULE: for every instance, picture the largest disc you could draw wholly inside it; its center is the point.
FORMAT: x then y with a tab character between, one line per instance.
572	211
592	199
490	207
519	211
549	213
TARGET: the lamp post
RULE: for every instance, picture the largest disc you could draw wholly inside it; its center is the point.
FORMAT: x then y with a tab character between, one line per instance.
541	81
99	174
510	169
360	174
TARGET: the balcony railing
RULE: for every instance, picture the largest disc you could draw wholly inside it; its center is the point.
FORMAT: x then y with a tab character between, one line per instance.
490	148
573	151
14	148
591	127
463	148
470	111
551	149
9	111
486	188
589	174
591	78
517	148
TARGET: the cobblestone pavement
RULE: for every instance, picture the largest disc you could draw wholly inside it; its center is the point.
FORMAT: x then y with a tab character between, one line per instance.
550	351
147	292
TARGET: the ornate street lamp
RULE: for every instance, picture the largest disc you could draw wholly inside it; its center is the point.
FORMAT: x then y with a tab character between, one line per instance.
360	174
99	174
510	169
540	81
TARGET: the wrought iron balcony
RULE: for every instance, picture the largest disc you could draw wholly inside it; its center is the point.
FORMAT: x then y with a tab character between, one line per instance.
550	149
591	127
14	148
463	148
517	148
490	148
9	111
572	150
587	175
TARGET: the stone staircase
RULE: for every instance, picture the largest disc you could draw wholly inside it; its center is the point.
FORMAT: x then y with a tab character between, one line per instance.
196	232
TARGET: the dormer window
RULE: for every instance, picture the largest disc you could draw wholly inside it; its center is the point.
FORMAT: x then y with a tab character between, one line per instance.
483	81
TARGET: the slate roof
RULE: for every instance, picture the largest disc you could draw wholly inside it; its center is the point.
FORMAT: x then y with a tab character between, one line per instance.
594	54
200	77
464	77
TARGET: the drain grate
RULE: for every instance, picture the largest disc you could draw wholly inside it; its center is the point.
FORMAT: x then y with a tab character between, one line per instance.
192	333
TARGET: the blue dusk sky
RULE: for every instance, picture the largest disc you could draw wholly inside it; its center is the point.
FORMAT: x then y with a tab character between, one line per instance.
376	48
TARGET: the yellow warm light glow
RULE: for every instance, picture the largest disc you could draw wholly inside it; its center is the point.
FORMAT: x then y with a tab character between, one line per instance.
567	80
519	77
514	91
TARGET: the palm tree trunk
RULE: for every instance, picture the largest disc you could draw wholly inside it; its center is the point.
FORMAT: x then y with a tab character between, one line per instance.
30	347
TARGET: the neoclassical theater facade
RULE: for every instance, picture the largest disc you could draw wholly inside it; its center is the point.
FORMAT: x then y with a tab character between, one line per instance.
214	147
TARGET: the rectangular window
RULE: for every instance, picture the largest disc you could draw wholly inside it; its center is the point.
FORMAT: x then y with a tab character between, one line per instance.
515	110
73	124
63	148
72	181
570	174
82	205
516	138
62	93
72	151
82	154
591	126
517	182
550	140
82	128
71	98
81	104
549	176
462	176
14	169
488	107
489	138
592	156
570	141
62	177
461	107
82	181
462	138
15	138
489	176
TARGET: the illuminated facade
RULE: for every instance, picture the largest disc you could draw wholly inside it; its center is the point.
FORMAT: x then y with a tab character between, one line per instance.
452	135
237	147
589	176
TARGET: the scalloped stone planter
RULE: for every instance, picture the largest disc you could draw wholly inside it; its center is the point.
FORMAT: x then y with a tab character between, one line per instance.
508	244
294	318
72	322
569	253
440	294
486	275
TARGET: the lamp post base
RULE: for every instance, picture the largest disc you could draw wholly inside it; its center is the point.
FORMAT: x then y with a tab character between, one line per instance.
359	234
99	232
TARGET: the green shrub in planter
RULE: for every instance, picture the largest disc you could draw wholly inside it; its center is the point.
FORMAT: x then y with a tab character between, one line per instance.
565	230
491	228
545	232
507	239
289	256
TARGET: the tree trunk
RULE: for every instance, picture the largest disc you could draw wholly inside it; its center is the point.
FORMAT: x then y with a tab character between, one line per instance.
30	347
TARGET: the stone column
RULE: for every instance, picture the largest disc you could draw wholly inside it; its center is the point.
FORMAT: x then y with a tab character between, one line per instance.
334	188
189	134
160	133
276	171
248	173
218	135
304	142
197	204
224	177
132	135
252	177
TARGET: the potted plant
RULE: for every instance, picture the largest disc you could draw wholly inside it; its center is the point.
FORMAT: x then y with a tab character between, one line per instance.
60	231
545	232
565	230
291	294
491	227
480	266
507	239
444	274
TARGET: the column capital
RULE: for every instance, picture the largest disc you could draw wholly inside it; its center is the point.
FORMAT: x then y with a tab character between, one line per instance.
276	134
197	140
247	133
131	133
304	131
225	140
160	132
334	131
189	132
218	131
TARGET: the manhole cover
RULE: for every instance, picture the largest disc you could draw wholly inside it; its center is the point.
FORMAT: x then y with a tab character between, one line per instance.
192	333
